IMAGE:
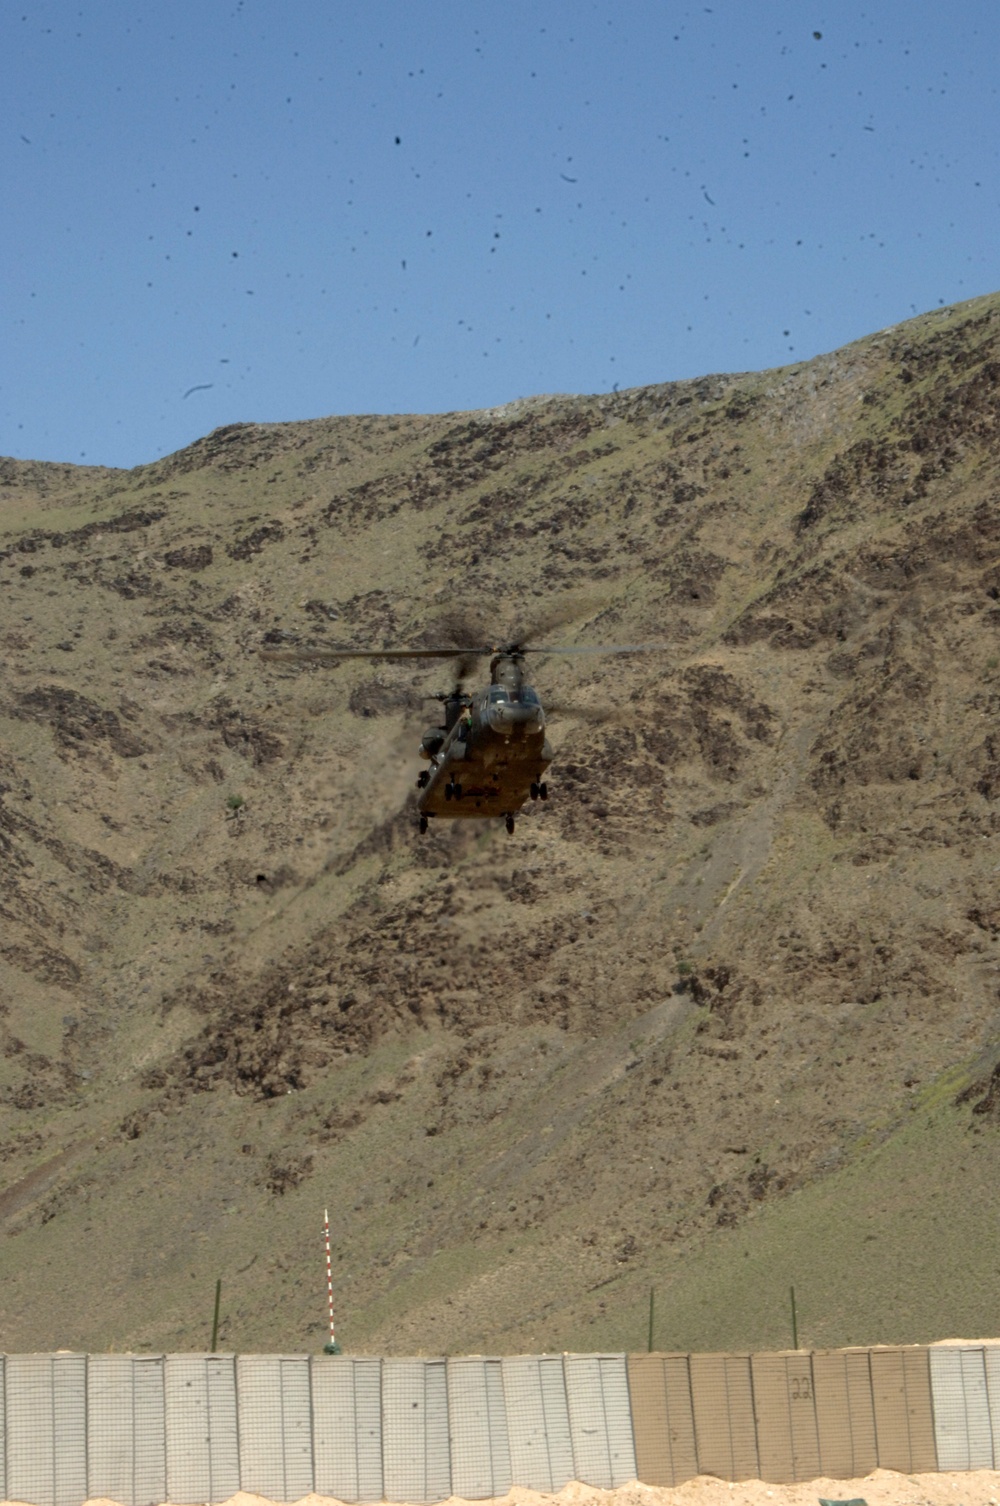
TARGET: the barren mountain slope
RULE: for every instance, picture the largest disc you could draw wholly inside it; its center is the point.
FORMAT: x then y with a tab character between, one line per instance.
705	1022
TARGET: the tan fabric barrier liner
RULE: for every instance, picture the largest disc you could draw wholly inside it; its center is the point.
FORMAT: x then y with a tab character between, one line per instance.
724	1424
782	1417
845	1413
662	1418
787	1434
904	1415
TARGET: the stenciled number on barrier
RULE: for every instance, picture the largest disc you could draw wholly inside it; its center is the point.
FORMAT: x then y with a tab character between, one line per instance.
800	1388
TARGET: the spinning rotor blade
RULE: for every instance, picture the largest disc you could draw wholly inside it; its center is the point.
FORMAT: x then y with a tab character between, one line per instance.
595	648
334	655
575	711
466	655
466	664
539	620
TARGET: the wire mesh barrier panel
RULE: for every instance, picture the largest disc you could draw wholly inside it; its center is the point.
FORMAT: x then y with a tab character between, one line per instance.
223	1427
46	1428
111	1428
203	1461
600	1419
992	1359
480	1446
275	1425
126	1429
149	1478
69	1425
415	1449
3	1424
347	1427
188	1429
962	1423
28	1419
541	1450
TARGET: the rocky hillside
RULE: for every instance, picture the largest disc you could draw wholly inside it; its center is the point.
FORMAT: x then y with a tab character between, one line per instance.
723	1014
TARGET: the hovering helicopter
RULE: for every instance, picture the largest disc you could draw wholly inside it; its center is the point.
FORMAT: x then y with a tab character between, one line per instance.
491	754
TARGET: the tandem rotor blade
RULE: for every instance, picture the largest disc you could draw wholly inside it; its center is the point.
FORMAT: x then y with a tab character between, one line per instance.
539	619
467	655
334	655
596	648
575	711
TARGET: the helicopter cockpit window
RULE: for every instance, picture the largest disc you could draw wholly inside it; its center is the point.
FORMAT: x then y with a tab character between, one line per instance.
528	696
497	693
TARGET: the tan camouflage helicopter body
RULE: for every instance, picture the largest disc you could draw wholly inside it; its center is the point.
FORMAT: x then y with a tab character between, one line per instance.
490	756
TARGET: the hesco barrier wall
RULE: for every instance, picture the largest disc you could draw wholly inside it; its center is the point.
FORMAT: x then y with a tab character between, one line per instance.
193	1428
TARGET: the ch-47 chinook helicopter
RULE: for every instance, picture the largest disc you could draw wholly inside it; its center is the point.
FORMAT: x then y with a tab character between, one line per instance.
491	754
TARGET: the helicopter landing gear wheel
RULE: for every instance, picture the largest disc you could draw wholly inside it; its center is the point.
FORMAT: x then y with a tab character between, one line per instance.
456	791
449	790
535	791
423	779
423	824
509	823
543	792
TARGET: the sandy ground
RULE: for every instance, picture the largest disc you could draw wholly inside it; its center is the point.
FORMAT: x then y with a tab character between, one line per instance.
978	1487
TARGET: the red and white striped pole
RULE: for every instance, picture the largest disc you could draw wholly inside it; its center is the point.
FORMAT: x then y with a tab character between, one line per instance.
331	1346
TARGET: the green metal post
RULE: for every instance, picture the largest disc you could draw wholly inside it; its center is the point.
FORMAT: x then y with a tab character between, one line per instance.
215	1320
795	1326
649	1343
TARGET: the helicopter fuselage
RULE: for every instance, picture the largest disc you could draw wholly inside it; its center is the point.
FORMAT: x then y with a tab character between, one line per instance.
493	757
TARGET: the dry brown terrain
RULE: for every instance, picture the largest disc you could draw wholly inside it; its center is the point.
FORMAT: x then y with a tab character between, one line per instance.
721	1017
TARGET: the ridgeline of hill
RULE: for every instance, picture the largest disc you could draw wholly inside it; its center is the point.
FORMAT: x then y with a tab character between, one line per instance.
722	1015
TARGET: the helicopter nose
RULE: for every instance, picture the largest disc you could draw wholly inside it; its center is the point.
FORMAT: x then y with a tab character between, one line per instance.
512	714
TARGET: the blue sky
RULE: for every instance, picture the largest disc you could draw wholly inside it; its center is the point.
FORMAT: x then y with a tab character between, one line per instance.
260	210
